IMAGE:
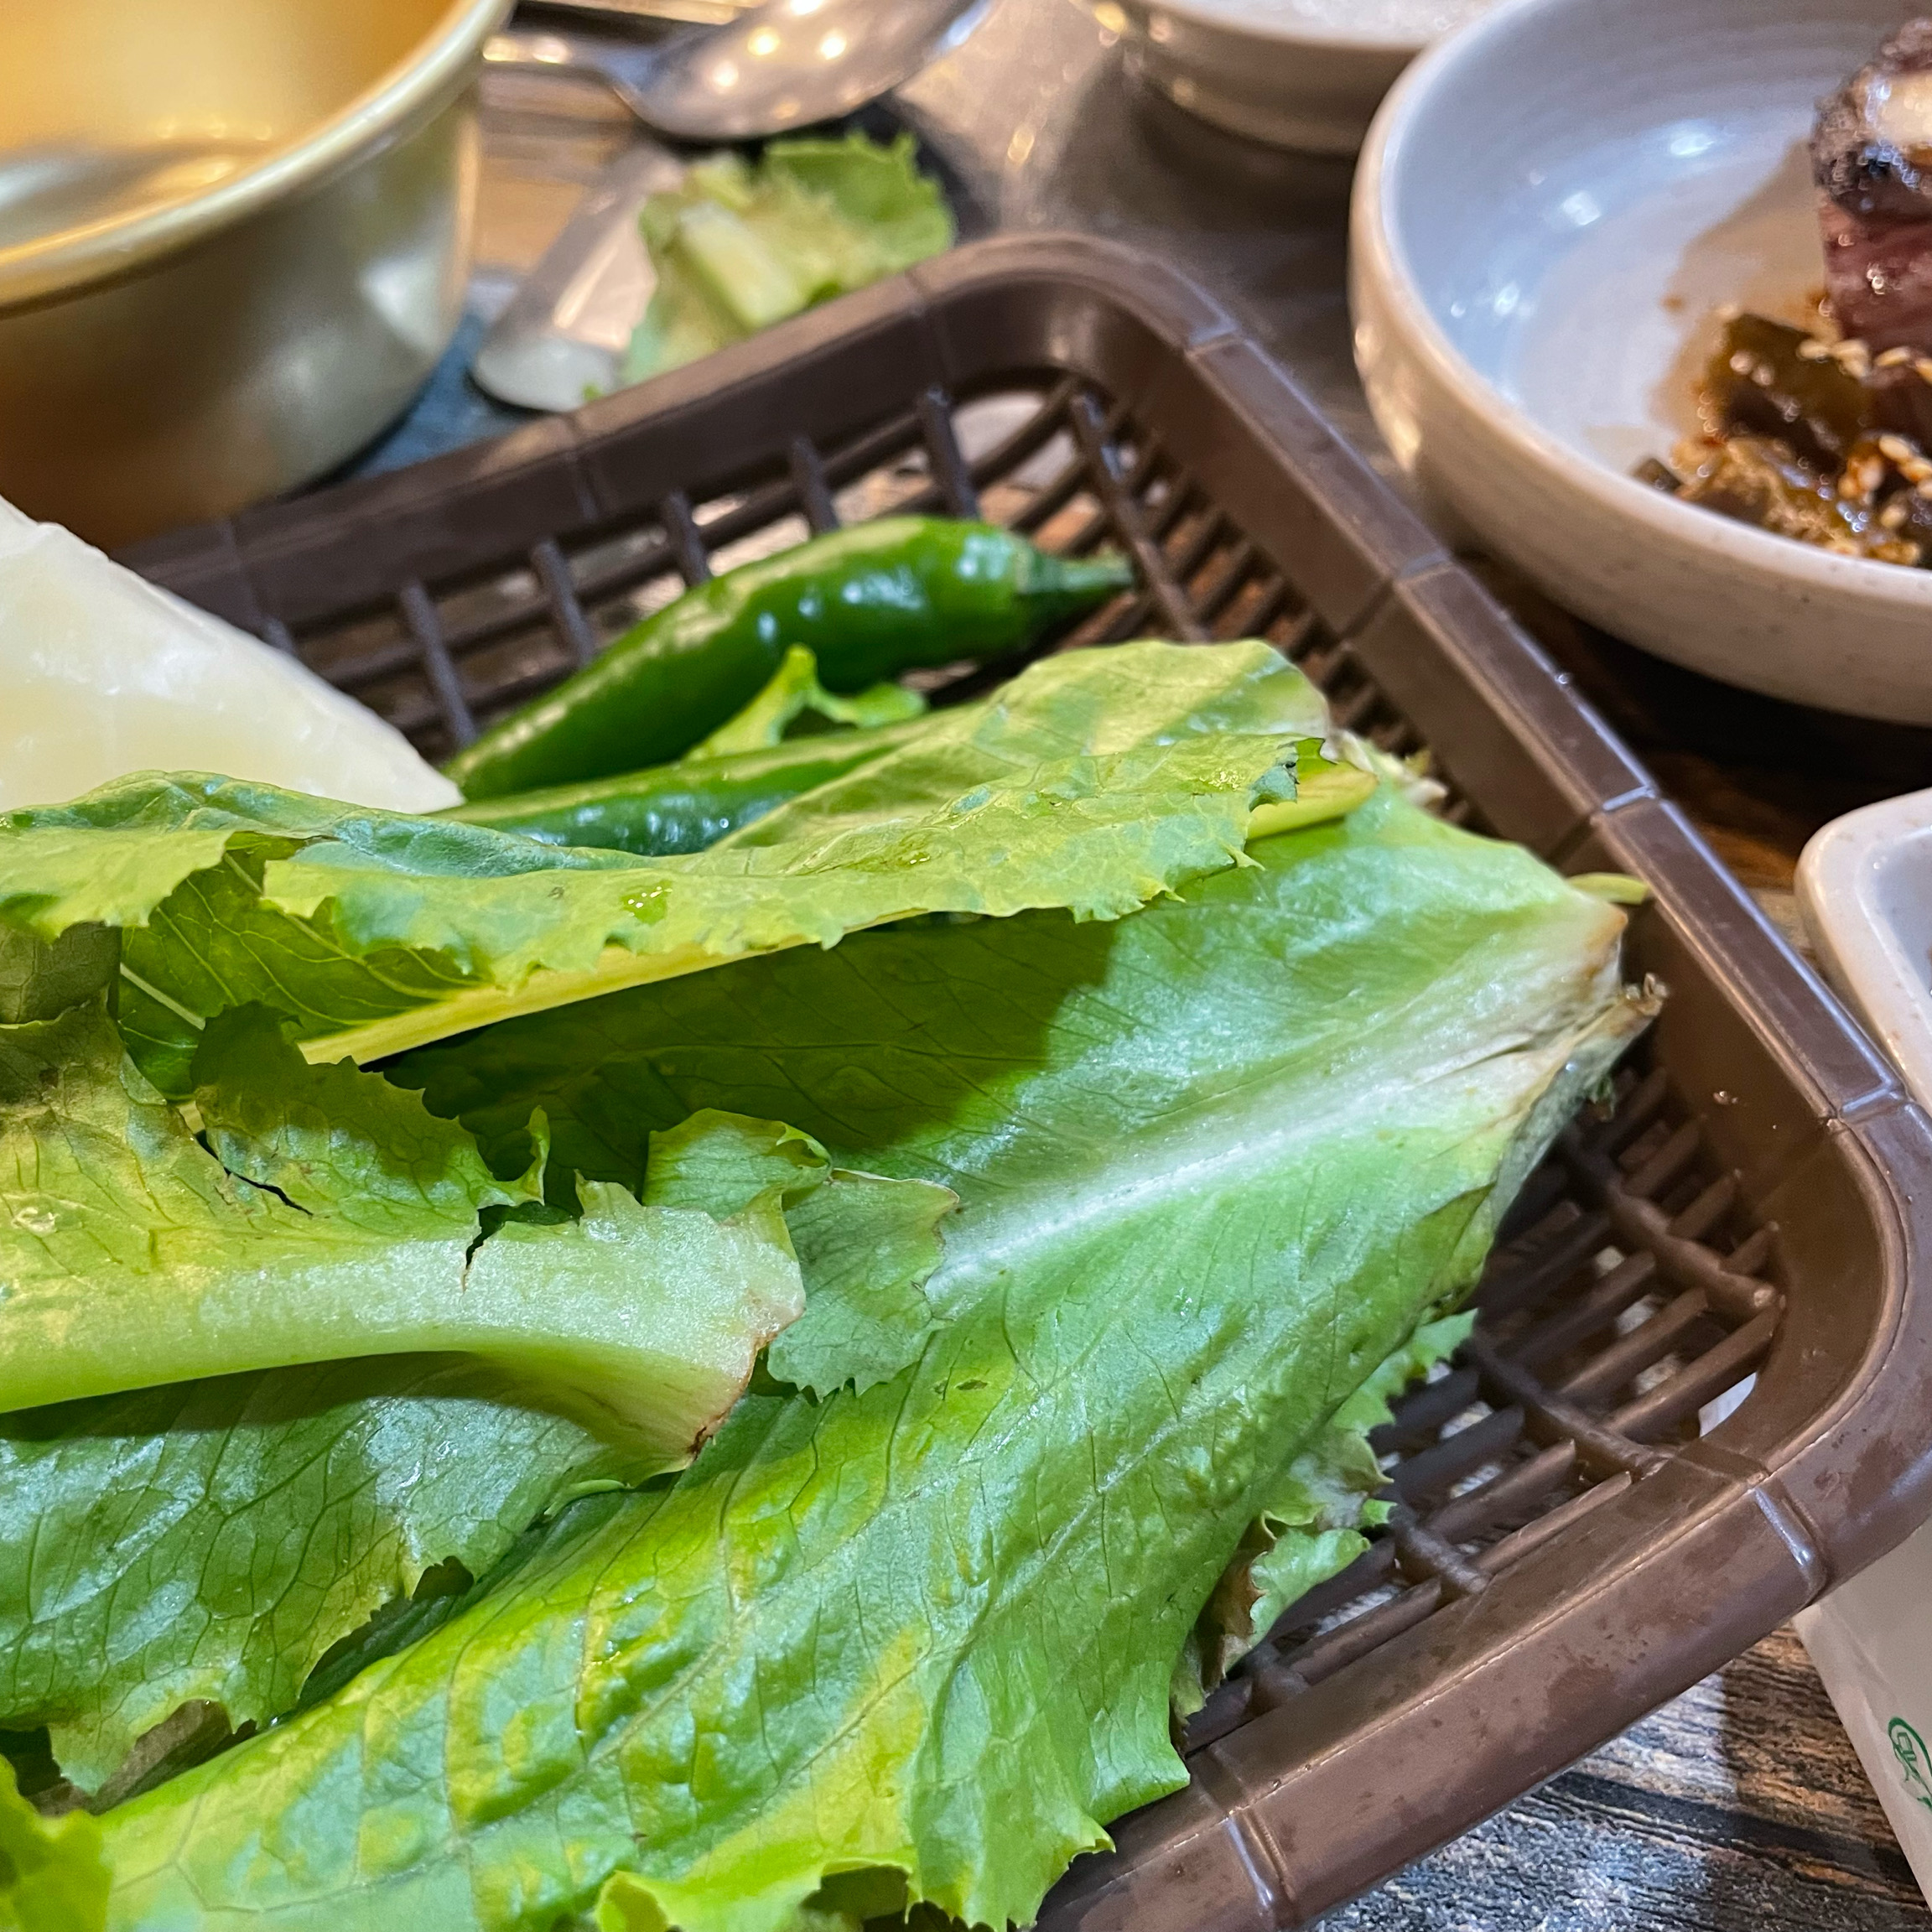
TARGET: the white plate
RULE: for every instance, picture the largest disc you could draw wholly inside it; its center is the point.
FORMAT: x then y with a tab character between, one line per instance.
1865	891
1261	82
1550	207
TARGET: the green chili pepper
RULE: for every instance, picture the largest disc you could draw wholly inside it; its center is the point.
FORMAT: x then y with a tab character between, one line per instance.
870	602
682	808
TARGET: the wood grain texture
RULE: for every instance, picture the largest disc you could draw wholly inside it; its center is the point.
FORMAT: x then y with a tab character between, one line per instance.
1741	1807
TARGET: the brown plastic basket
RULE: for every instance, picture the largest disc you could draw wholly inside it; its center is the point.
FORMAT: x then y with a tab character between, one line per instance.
1568	1548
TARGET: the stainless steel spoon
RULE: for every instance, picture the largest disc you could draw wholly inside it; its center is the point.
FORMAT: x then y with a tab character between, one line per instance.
786	64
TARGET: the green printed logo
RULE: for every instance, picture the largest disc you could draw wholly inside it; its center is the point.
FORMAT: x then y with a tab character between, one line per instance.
1914	1760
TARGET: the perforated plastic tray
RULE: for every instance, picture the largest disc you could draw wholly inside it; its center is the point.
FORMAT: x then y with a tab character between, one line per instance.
1572	1546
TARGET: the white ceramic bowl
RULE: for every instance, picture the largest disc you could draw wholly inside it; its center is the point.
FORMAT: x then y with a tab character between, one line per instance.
1253	67
1550	207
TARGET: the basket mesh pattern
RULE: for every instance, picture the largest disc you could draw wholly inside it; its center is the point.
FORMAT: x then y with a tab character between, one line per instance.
1060	463
1627	1295
1623	1301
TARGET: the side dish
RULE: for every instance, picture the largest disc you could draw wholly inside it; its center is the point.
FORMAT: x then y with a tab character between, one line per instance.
741	244
1822	434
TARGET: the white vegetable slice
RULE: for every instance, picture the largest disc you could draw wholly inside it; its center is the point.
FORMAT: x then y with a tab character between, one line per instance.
102	674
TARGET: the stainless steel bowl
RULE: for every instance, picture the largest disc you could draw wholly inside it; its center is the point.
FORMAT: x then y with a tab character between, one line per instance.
233	241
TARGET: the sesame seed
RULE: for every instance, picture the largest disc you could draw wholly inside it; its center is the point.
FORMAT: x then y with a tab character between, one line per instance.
1742	362
1853	357
1923	368
1841	546
1893	359
1917	470
1924	488
1897	447
1893	515
1861	477
1811	350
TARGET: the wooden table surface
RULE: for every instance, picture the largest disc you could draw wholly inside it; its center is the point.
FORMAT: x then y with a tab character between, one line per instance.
1741	1806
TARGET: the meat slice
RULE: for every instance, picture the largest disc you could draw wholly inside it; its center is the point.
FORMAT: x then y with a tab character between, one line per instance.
1871	160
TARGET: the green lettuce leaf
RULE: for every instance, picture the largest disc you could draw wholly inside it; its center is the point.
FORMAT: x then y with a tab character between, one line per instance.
341	1219
52	1878
1215	1163
740	245
447	1589
867	1245
795	702
1311	1525
1080	705
212	1539
1098	780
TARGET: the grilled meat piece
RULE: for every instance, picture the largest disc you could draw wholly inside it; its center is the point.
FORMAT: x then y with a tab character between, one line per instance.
1756	481
1762	382
1871	160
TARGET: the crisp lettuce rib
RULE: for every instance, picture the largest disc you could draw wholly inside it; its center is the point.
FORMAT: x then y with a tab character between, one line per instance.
1095	782
341	1219
1215	1163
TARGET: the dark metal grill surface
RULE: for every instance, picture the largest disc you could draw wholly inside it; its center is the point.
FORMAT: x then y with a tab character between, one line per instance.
1577	1533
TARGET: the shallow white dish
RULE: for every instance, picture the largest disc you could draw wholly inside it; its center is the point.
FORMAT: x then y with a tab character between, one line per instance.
1549	206
1265	68
1865	891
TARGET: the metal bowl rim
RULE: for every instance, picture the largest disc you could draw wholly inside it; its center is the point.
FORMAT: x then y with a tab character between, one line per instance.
73	258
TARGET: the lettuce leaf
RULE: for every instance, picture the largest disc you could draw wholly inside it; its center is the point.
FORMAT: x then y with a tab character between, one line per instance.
1103	704
1311	1523
335	1217
795	702
52	1876
212	1540
867	1245
1095	782
740	245
1215	1163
